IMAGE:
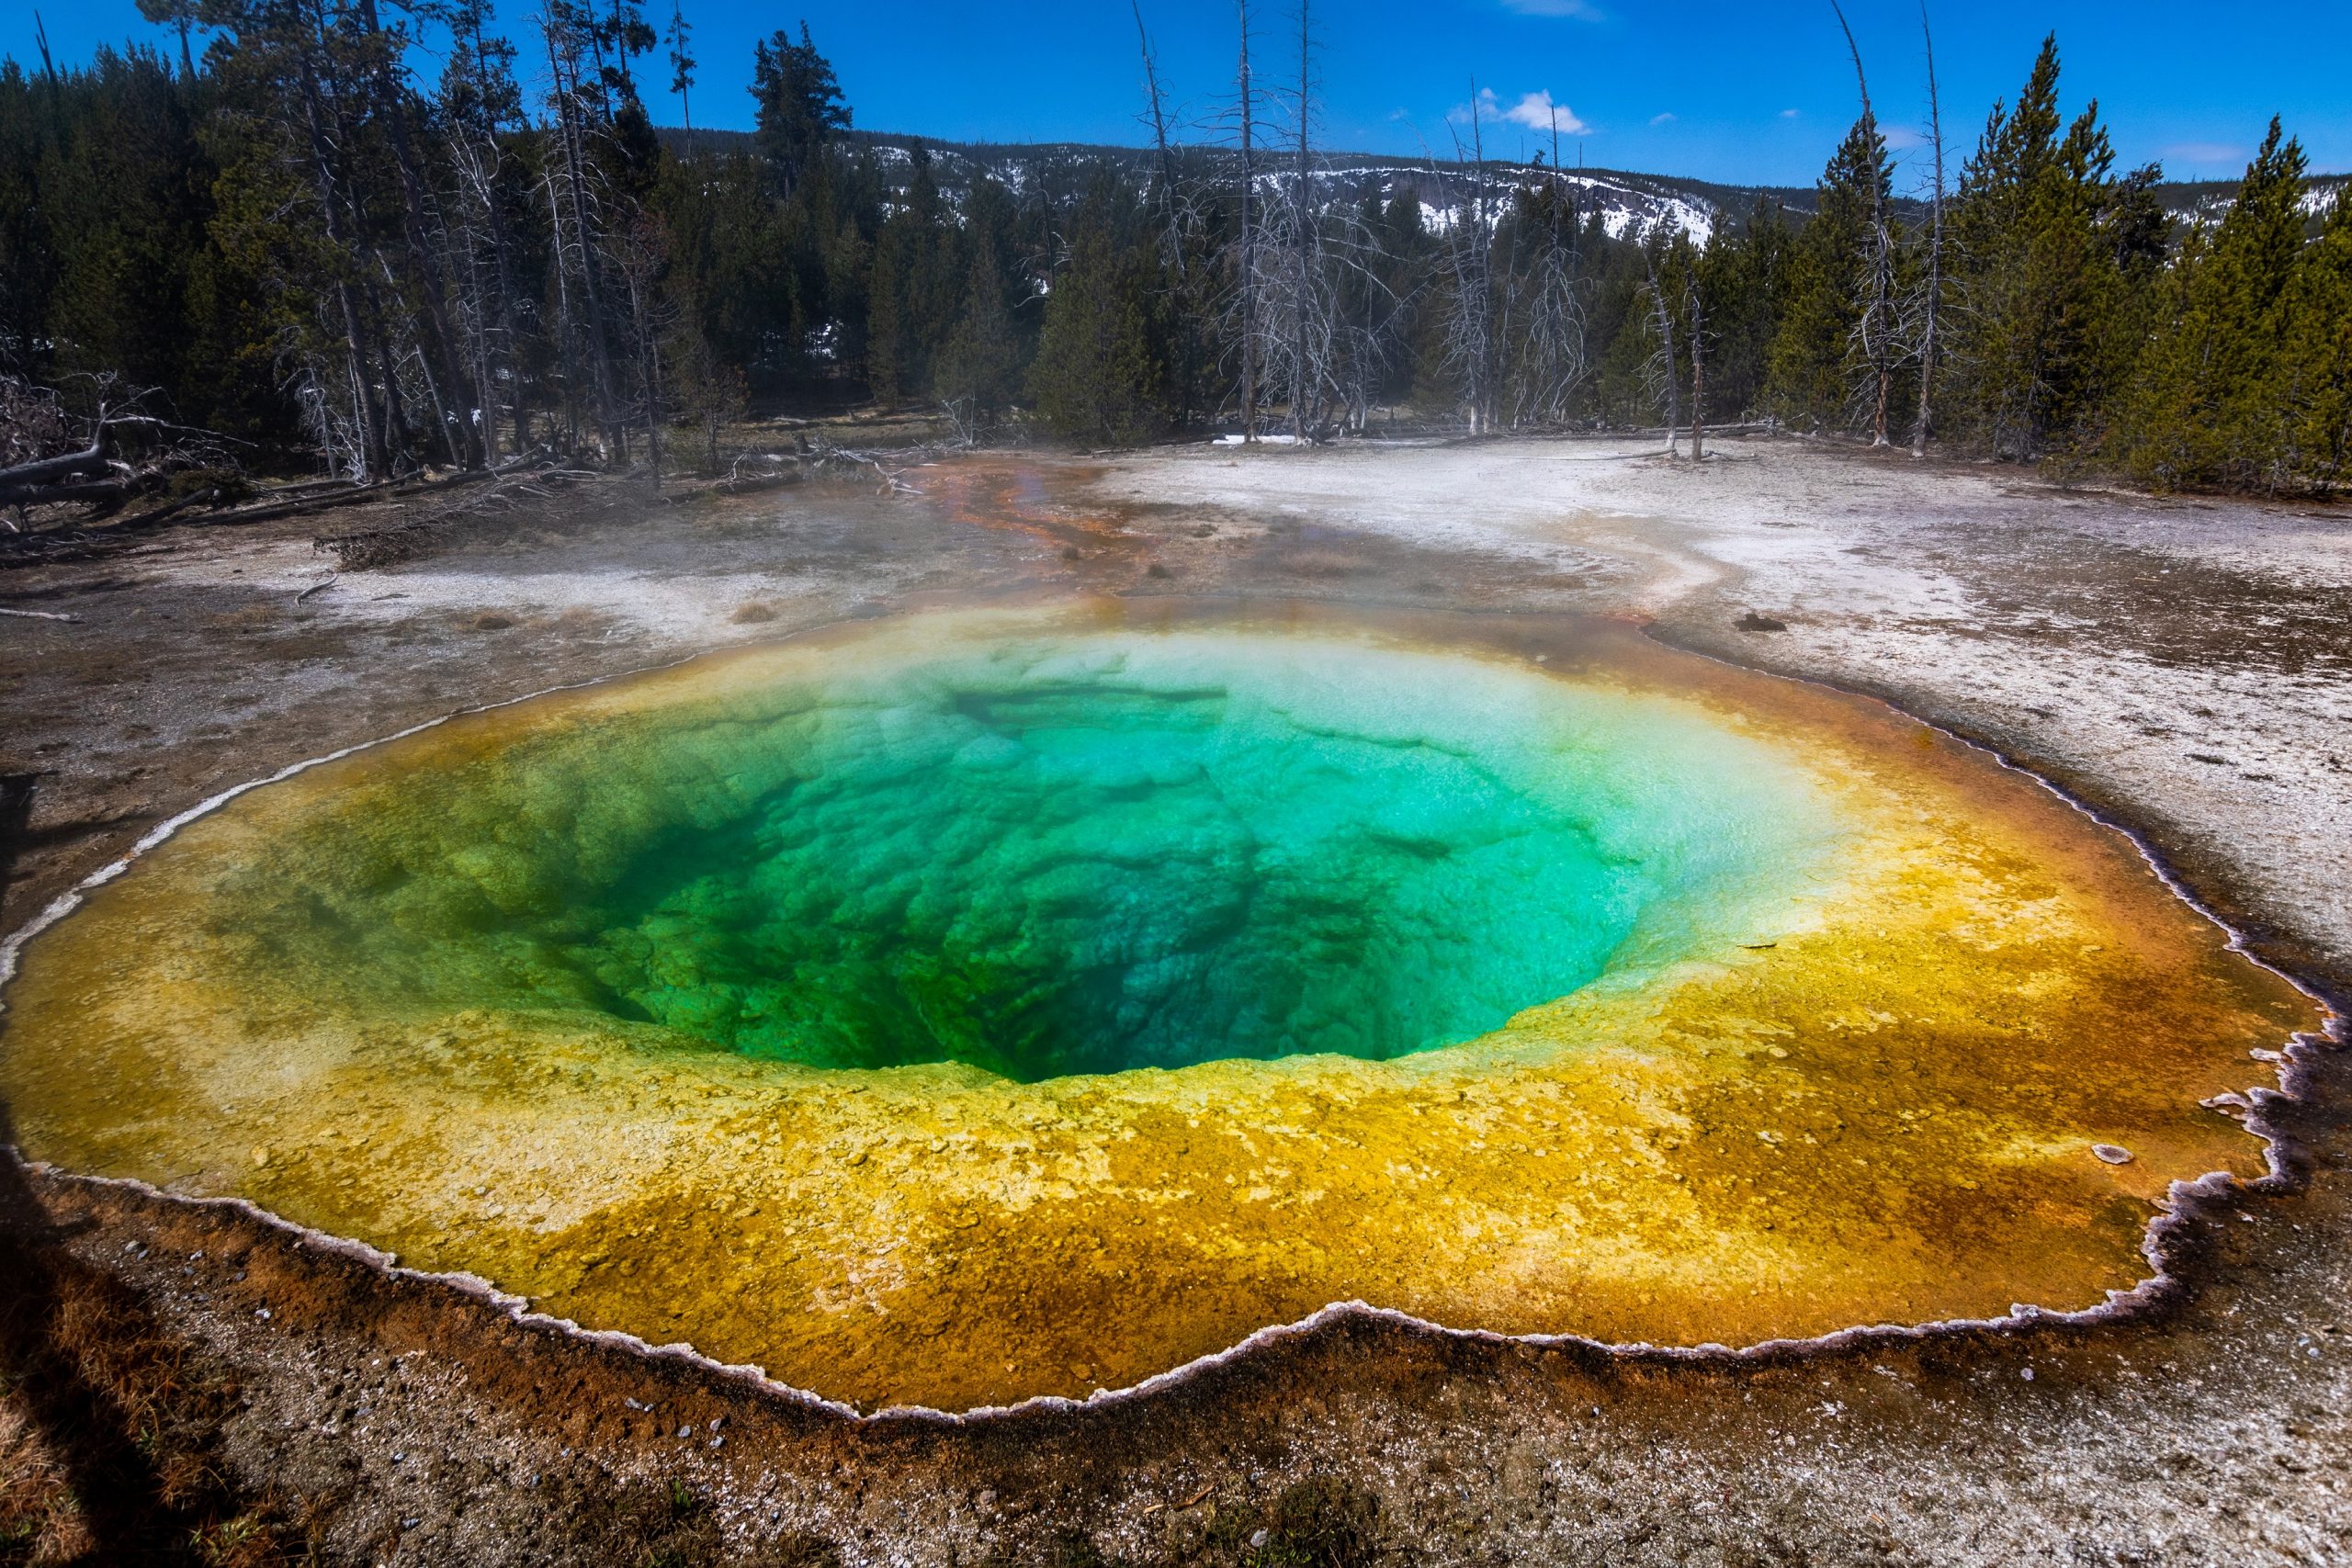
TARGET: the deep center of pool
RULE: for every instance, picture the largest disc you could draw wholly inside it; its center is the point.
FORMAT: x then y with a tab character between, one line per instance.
1086	877
1047	856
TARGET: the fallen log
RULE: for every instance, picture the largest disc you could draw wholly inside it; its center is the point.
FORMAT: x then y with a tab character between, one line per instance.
47	494
43	472
359	549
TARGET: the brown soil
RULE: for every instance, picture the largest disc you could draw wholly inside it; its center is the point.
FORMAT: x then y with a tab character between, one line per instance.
183	1381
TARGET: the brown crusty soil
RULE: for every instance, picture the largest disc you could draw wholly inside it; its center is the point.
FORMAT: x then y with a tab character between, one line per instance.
190	1381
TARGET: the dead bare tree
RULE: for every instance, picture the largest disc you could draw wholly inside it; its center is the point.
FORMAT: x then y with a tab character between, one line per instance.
577	222
1875	331
1294	286
481	103
532	484
1547	346
386	76
1470	338
642	252
1304	380
1180	221
1248	246
1695	312
374	446
33	422
1931	303
682	68
712	393
1663	370
126	452
1166	194
1367	310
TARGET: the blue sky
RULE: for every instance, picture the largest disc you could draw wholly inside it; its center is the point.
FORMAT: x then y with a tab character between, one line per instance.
1755	92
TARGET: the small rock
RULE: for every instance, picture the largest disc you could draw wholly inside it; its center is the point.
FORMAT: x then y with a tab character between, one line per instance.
1752	622
261	1157
2113	1154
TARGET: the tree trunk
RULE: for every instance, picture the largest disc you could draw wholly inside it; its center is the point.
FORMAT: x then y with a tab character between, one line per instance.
1664	322
1248	253
1875	327
374	441
575	157
1172	233
49	470
1300	379
464	451
1698	374
1935	249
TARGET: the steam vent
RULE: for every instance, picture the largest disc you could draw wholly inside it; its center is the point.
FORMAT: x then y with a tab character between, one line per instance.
979	1005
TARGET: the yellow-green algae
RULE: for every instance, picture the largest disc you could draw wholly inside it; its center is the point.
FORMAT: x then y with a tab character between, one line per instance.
1844	1010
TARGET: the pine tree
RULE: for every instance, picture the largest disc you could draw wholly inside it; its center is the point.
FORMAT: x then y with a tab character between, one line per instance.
2209	407
127	203
979	369
2043	335
1743	274
1818	366
1098	374
2315	347
915	290
801	108
29	260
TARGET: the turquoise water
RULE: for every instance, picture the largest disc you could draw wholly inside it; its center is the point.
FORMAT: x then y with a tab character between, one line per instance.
1052	855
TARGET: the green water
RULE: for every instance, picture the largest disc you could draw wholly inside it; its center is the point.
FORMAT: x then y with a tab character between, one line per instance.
1053	855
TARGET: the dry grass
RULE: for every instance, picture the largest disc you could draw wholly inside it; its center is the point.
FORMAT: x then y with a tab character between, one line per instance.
108	1431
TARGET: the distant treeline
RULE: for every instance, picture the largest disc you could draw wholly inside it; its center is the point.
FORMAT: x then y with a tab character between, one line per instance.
290	238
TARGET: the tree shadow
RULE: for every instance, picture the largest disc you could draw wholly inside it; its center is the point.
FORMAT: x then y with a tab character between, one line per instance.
15	823
115	1416
56	1314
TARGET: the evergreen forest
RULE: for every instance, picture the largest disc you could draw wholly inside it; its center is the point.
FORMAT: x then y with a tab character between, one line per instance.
369	238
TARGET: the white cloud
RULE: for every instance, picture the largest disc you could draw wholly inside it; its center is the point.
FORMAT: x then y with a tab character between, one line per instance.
1534	110
1788	114
1666	118
1580	9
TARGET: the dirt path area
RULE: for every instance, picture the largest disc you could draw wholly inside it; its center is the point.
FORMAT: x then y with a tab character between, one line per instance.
2185	667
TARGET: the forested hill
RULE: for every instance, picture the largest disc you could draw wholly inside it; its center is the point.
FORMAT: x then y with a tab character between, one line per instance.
1060	170
1626	200
302	243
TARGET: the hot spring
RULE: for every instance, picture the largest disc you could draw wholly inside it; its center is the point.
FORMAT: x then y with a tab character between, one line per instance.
983	1004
